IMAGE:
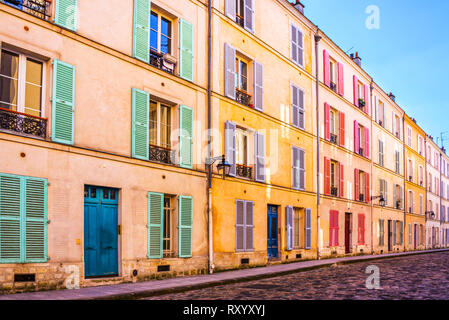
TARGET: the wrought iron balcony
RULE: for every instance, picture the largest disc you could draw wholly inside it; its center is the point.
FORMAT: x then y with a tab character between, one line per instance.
361	197
334	191
381	123
23	123
160	154
162	61
242	97
397	205
361	152
240	20
38	8
333	86
410	178
244	171
361	103
334	138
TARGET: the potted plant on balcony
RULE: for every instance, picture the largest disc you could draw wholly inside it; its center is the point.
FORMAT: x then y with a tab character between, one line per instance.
361	102
251	105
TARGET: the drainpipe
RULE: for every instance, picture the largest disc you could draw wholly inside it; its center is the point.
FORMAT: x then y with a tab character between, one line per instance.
209	138
405	190
427	208
372	165
317	40
441	200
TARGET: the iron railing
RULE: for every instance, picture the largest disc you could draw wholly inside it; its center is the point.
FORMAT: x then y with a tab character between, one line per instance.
361	152
157	60
361	197
334	138
160	154
334	191
244	171
242	97
23	123
37	8
333	86
240	20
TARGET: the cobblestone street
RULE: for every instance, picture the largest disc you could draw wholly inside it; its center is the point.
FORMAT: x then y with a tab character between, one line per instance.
417	277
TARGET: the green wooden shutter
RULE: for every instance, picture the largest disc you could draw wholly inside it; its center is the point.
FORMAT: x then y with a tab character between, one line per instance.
66	12
141	36
10	208
63	103
140	124
155	224
185	137
186	50
35	231
185	226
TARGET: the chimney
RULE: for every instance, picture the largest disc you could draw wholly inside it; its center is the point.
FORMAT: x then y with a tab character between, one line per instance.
392	96
299	6
356	59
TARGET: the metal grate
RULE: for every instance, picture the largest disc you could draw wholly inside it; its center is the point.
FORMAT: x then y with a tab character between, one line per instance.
163	268
22	123
244	261
24	277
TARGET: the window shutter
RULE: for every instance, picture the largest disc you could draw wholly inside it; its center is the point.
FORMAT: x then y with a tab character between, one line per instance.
300	48
185	226
230	147
356	137
259	144
366	151
356	91
331	228
248	15
337	228
63	102
294	44
376	109
141	35
229	71
327	134
367	188
239	225
342	180
393	127
327	176
342	128
249	226
155	224
356	184
386	193
230	9
258	86
295	168
359	230
308	229
288	227
186	50
140	124
302	169
367	99
401	190
66	12
401	232
394	232
186	137
295	106
301	109
326	68
394	196
341	80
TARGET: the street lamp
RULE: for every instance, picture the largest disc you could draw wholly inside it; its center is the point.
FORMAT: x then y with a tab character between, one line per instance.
381	201
223	166
431	214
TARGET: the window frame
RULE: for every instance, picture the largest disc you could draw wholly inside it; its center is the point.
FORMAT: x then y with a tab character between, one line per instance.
159	31
159	105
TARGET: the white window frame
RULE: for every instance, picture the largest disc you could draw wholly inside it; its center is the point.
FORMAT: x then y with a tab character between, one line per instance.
158	121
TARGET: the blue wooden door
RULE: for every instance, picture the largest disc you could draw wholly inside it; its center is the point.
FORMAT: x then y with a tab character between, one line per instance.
272	234
100	231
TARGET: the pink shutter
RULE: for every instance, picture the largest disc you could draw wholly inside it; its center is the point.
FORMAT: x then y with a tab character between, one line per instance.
342	128
327	134
367	193
367	99
331	228
366	142
327	176
341	80
356	91
356	137
342	180
356	184
327	77
336	228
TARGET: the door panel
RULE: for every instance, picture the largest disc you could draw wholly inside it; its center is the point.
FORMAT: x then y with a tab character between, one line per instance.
272	234
347	233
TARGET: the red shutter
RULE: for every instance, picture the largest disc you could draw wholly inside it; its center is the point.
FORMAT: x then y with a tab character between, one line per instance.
327	176
367	99
342	180
356	137
356	91
327	78
363	229
341	80
342	128
331	228
367	188
356	184
358	229
336	228
366	152
327	111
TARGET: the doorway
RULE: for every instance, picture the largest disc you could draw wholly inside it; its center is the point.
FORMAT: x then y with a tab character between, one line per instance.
272	232
390	235
348	232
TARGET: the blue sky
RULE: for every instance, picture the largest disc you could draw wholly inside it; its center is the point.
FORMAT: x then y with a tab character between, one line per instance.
407	55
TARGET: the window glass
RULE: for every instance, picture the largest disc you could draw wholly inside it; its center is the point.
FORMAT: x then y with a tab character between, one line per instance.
296	227
165	126
332	122
153	123
241	147
154	31
165	36
33	88
167	227
9	74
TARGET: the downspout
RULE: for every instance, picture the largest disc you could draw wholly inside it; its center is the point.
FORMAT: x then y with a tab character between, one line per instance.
441	200
372	165
317	40
405	189
427	208
209	138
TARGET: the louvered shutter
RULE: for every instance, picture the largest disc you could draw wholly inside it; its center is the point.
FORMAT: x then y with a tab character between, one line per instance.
381	153
301	109
248	15
230	9
376	109
401	190
300	48
394	196
294	43
341	80
239	225
356	137
367	143
141	35
367	99
185	226
249	226
342	128
327	176
367	188
10	217
342	180
295	168
140	124
155	224
289	227
258	86
394	232
186	137
308	229
356	184
327	134
331	228
259	144
63	103
326	68
337	228
229	71
230	147
295	106
186	50
356	90
66	13
302	169
401	233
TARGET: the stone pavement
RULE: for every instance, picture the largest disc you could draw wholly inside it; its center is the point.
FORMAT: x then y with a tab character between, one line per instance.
160	287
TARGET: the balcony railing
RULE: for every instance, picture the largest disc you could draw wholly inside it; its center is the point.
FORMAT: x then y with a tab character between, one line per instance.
361	151
334	138
410	178
244	171
334	191
162	61
397	205
240	20
361	103
38	8
23	123
242	97
333	86
160	154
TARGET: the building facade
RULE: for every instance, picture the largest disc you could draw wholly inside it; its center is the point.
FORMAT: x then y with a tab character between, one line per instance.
444	198
433	213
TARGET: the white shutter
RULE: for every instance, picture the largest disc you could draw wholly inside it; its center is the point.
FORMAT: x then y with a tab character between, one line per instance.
308	229
302	170
249	225
248	15
294	44
300	48
239	225
295	168
301	109
229	71
230	9
230	147
295	106
258	86
259	164
289	227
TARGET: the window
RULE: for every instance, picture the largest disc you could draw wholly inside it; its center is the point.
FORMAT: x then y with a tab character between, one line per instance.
160	124
333	74
297	45
398	196
409	137
38	8
421	176
383	190
333	125
241	11
161	34
361	184
411	208
410	170
381	113
168	241
429	182
296	227
242	153
420	145
298	168
241	75
361	139
298	107
381	232
397	162
397	132
381	153
334	178
421	202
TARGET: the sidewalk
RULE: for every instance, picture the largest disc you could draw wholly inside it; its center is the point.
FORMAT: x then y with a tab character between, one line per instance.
158	287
